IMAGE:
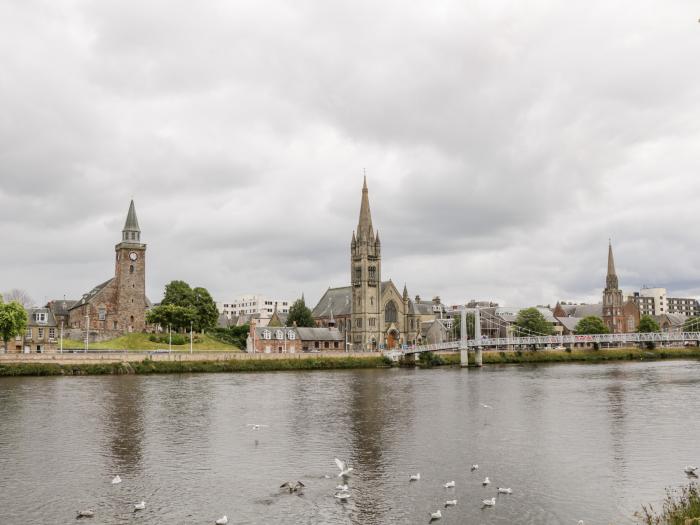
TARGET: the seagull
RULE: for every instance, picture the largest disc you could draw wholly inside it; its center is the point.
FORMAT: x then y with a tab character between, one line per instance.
342	488
486	406
449	484
85	514
255	426
414	477
342	496
344	469
486	481
450	503
489	502
475	467
116	479
502	490
689	469
293	487
139	506
222	521
435	515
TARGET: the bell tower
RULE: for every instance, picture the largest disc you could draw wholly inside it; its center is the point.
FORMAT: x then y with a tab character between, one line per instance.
130	277
612	298
365	279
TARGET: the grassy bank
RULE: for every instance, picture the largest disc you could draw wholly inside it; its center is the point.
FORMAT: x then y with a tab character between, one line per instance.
559	356
182	367
680	508
138	341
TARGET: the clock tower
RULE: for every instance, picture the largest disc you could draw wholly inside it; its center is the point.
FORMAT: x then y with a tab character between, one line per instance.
130	276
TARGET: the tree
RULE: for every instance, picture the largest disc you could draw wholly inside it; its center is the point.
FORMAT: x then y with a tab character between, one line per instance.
19	296
591	324
13	321
178	293
177	317
457	326
647	325
531	322
300	314
206	312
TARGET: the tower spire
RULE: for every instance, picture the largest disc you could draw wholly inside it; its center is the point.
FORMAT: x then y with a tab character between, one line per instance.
131	230
611	281
364	225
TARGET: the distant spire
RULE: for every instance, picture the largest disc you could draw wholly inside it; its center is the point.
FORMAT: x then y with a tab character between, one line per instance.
131	231
611	282
405	292
376	238
364	226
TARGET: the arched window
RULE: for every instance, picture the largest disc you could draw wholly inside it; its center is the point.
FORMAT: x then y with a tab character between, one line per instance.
390	312
291	335
131	268
279	334
267	334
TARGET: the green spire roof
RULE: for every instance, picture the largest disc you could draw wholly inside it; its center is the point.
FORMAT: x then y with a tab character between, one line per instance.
364	226
132	223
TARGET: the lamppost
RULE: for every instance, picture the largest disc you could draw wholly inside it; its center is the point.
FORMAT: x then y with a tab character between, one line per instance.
61	336
170	339
87	332
190	337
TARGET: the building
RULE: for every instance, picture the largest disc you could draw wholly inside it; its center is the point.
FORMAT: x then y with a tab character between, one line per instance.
618	315
254	305
372	313
119	304
41	335
293	339
60	308
655	302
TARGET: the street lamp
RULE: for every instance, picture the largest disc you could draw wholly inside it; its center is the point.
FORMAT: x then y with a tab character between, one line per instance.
87	332
61	336
170	339
190	337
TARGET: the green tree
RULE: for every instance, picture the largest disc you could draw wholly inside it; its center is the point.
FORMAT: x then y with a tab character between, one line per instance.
177	317
531	322
591	324
692	324
236	335
13	320
300	314
178	293
647	325
207	314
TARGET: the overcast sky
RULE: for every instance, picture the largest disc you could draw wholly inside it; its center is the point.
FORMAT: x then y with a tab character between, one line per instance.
504	143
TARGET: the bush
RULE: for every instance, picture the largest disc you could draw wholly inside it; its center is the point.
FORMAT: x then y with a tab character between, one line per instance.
679	508
429	359
177	339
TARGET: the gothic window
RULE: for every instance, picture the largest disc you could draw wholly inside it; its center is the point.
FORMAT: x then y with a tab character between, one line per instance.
131	268
358	323
291	335
358	274
372	321
267	334
390	312
279	335
372	274
412	324
101	314
371	301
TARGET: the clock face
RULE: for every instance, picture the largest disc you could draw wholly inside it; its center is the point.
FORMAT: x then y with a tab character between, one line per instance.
133	256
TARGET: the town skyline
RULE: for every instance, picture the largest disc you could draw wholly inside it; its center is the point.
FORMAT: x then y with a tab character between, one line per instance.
502	146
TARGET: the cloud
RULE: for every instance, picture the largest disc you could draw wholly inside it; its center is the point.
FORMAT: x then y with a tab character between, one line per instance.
504	143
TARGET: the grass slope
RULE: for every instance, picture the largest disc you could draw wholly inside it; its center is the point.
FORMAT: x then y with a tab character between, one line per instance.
138	341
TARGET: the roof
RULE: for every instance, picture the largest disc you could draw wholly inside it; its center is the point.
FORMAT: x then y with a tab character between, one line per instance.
132	223
301	333
86	298
583	310
60	306
510	314
337	299
569	322
50	319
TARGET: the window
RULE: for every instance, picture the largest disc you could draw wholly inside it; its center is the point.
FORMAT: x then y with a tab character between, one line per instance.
358	274
335	344
41	333
28	333
291	335
40	317
279	334
325	344
52	333
372	321
131	268
358	323
372	273
101	314
114	325
390	312
315	344
267	334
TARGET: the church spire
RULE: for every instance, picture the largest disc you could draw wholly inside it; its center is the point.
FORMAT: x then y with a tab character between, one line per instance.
364	226
611	282
131	231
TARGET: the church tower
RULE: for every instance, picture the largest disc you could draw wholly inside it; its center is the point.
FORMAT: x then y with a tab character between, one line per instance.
130	277
365	278
612	298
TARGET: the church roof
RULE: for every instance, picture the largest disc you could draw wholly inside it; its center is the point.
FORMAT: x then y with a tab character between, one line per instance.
86	298
583	310
569	322
339	299
132	223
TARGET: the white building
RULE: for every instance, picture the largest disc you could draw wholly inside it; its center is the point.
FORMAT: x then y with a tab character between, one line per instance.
253	304
655	301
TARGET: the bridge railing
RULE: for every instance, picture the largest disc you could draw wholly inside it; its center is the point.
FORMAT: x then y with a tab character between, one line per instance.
651	337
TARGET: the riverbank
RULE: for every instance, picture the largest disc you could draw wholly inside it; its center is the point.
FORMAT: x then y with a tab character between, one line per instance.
580	355
176	365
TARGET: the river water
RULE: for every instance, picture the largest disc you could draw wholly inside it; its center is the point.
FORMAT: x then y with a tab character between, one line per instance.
573	441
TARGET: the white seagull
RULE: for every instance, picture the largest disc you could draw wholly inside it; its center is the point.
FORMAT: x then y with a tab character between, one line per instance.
435	515
414	477
502	490
222	521
689	469
489	502
293	487
85	513
475	467
486	481
342	488
342	496
450	503
344	469
486	406
255	426
449	484
139	506
116	479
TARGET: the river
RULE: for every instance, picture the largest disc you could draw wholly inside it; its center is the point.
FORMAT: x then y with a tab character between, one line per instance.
574	441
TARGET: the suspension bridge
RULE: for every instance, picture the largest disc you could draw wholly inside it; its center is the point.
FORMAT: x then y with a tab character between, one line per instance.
533	339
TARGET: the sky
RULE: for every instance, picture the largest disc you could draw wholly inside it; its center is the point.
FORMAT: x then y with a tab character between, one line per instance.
504	143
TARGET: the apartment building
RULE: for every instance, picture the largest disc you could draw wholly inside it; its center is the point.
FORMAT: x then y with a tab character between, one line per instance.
253	304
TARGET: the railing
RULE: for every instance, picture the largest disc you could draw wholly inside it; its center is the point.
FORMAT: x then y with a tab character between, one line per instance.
651	337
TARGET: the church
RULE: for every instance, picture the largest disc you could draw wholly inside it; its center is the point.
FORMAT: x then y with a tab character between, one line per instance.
119	304
371	313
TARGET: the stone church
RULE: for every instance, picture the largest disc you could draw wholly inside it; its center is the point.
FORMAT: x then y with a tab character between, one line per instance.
371	313
619	316
119	304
